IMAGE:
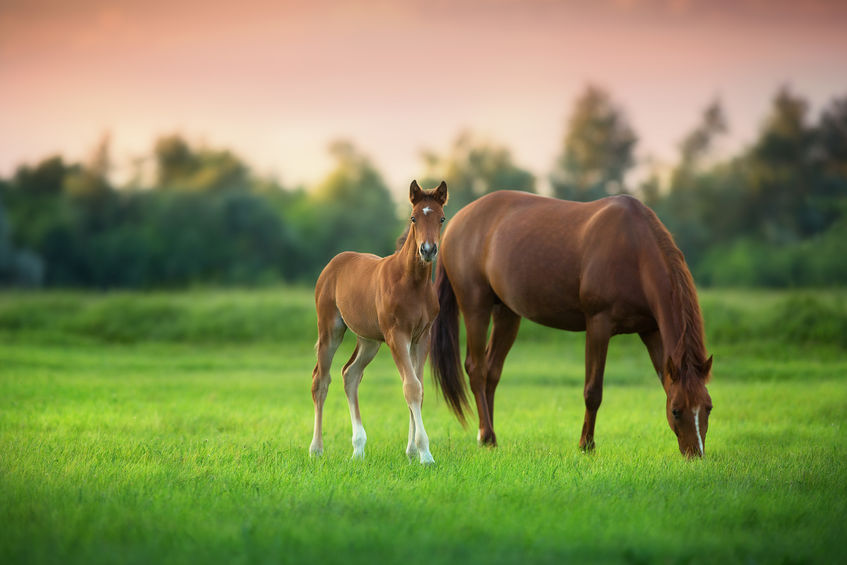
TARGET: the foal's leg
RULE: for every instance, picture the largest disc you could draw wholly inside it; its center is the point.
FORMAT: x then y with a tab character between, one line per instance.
352	374
418	353
503	333
597	334
330	333
400	346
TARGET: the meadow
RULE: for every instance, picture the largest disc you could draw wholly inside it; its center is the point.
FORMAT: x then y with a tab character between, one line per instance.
173	427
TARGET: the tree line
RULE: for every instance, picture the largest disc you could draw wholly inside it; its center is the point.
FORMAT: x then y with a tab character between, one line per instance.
775	214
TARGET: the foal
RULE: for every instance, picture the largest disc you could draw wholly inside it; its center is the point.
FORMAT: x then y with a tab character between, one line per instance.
388	299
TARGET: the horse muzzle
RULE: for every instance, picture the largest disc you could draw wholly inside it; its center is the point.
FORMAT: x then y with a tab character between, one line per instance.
428	251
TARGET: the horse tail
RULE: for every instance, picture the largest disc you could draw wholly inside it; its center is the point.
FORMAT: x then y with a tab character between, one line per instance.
444	348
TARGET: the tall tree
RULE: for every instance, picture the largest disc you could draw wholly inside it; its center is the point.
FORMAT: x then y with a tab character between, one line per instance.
598	149
181	167
781	174
474	167
352	209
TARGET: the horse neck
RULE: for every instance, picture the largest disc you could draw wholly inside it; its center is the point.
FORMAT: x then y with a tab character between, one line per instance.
678	315
673	299
409	261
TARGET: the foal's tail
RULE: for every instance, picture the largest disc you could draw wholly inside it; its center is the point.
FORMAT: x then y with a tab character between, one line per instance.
444	348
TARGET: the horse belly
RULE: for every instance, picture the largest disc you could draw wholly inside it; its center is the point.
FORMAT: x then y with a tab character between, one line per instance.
537	280
538	302
355	296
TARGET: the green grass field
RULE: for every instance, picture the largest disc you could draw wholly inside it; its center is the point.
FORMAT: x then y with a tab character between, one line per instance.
174	428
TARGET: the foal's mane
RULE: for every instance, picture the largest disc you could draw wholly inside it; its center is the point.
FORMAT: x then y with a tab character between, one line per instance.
689	354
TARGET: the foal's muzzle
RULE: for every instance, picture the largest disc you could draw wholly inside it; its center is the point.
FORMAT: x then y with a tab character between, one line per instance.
428	251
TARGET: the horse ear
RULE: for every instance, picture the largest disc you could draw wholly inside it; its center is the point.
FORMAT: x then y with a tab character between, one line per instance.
707	366
415	193
440	194
671	370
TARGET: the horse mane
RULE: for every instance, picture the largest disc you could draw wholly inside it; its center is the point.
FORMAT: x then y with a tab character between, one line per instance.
690	350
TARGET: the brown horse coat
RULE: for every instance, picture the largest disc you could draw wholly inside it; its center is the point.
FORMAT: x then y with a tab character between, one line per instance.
381	299
605	267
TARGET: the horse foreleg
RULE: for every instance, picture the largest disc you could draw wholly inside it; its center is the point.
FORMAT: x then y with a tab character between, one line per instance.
476	326
418	355
401	347
653	342
503	333
330	333
352	374
597	335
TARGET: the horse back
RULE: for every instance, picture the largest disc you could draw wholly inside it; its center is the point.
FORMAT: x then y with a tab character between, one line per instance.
552	261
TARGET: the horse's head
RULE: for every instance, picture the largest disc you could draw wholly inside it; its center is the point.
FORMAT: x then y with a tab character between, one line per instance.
427	217
689	404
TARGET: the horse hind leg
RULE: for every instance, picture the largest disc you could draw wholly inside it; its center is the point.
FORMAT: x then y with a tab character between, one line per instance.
331	330
352	374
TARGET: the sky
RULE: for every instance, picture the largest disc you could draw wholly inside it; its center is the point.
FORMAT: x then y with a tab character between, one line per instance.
278	81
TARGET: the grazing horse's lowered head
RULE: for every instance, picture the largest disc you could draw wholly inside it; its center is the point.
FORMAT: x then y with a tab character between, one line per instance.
689	404
426	219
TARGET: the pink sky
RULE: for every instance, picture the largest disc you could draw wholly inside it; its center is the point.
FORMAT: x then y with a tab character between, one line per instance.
276	81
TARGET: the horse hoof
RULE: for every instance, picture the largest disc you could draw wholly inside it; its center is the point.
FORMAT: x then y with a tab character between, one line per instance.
412	455
315	451
587	447
487	440
426	459
358	455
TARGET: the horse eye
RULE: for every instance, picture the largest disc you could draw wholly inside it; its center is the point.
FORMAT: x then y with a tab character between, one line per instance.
442	219
708	409
413	219
676	414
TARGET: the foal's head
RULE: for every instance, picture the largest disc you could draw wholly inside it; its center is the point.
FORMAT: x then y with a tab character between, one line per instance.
427	217
689	404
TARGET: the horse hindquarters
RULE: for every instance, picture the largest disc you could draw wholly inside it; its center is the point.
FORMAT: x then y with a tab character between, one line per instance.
331	330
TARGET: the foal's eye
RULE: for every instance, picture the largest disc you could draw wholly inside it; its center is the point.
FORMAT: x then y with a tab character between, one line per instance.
413	219
442	219
708	409
676	414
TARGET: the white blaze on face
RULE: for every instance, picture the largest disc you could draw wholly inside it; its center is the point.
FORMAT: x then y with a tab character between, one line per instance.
426	210
697	427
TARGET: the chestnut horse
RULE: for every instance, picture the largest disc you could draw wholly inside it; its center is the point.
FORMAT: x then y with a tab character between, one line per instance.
605	267
390	299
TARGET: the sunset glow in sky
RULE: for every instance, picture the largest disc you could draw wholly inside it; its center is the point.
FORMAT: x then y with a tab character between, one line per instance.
276	81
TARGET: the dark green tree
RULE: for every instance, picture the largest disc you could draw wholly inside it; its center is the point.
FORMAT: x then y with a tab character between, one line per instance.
472	168
350	210
181	167
598	149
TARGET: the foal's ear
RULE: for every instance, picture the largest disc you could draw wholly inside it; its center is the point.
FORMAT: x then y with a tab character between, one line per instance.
671	370
440	194
415	193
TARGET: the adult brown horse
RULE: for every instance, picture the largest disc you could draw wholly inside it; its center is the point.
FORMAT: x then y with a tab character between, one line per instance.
388	299
605	267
